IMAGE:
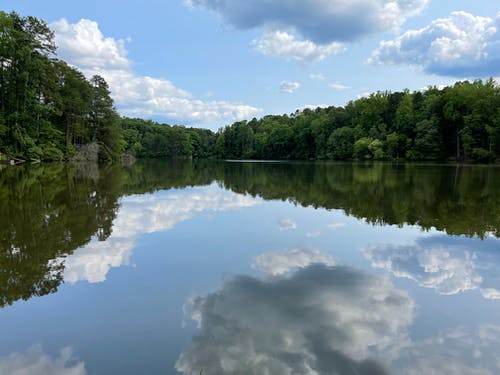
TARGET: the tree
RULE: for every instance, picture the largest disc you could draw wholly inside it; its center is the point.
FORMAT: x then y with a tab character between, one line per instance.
104	121
427	140
340	143
361	148
25	45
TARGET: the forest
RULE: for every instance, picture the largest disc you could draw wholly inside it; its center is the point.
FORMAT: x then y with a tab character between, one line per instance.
49	109
453	123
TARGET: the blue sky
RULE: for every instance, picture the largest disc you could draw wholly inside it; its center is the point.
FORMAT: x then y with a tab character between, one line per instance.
209	63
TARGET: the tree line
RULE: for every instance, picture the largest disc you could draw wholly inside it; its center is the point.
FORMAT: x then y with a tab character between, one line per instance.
48	109
458	122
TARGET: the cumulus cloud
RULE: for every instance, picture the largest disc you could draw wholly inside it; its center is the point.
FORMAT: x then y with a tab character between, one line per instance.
83	45
144	214
447	271
286	224
318	320
320	21
288	87
461	45
283	44
35	362
280	262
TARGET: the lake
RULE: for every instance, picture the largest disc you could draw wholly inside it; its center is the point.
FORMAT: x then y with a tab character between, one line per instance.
221	268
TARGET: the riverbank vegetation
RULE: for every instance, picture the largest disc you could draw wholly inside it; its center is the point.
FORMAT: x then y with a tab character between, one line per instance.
49	110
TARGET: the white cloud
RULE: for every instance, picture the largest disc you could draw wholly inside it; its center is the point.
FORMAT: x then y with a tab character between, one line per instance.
447	270
279	262
145	214
319	320
83	45
35	362
338	86
461	45
490	293
282	44
321	21
313	234
288	87
287	224
317	76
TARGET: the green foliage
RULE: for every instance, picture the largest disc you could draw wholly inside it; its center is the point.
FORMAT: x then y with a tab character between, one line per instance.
48	109
482	155
435	124
376	147
361	149
340	143
146	139
427	140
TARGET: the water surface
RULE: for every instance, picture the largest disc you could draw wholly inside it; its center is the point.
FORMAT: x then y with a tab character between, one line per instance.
250	268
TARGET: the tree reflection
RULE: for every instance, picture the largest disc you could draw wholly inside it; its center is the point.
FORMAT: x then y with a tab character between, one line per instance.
48	211
461	200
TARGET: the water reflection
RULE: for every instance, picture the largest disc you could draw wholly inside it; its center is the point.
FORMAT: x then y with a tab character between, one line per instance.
48	211
306	317
304	313
141	214
35	362
458	200
464	350
448	265
279	262
317	320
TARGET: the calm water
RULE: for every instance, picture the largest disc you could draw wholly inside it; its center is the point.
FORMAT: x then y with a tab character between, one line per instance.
250	268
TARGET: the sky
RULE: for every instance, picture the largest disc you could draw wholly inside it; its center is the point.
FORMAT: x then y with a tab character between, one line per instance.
208	63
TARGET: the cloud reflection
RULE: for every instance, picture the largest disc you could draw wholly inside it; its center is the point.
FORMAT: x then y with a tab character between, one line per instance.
464	351
318	320
35	362
448	265
279	262
286	224
449	272
145	214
